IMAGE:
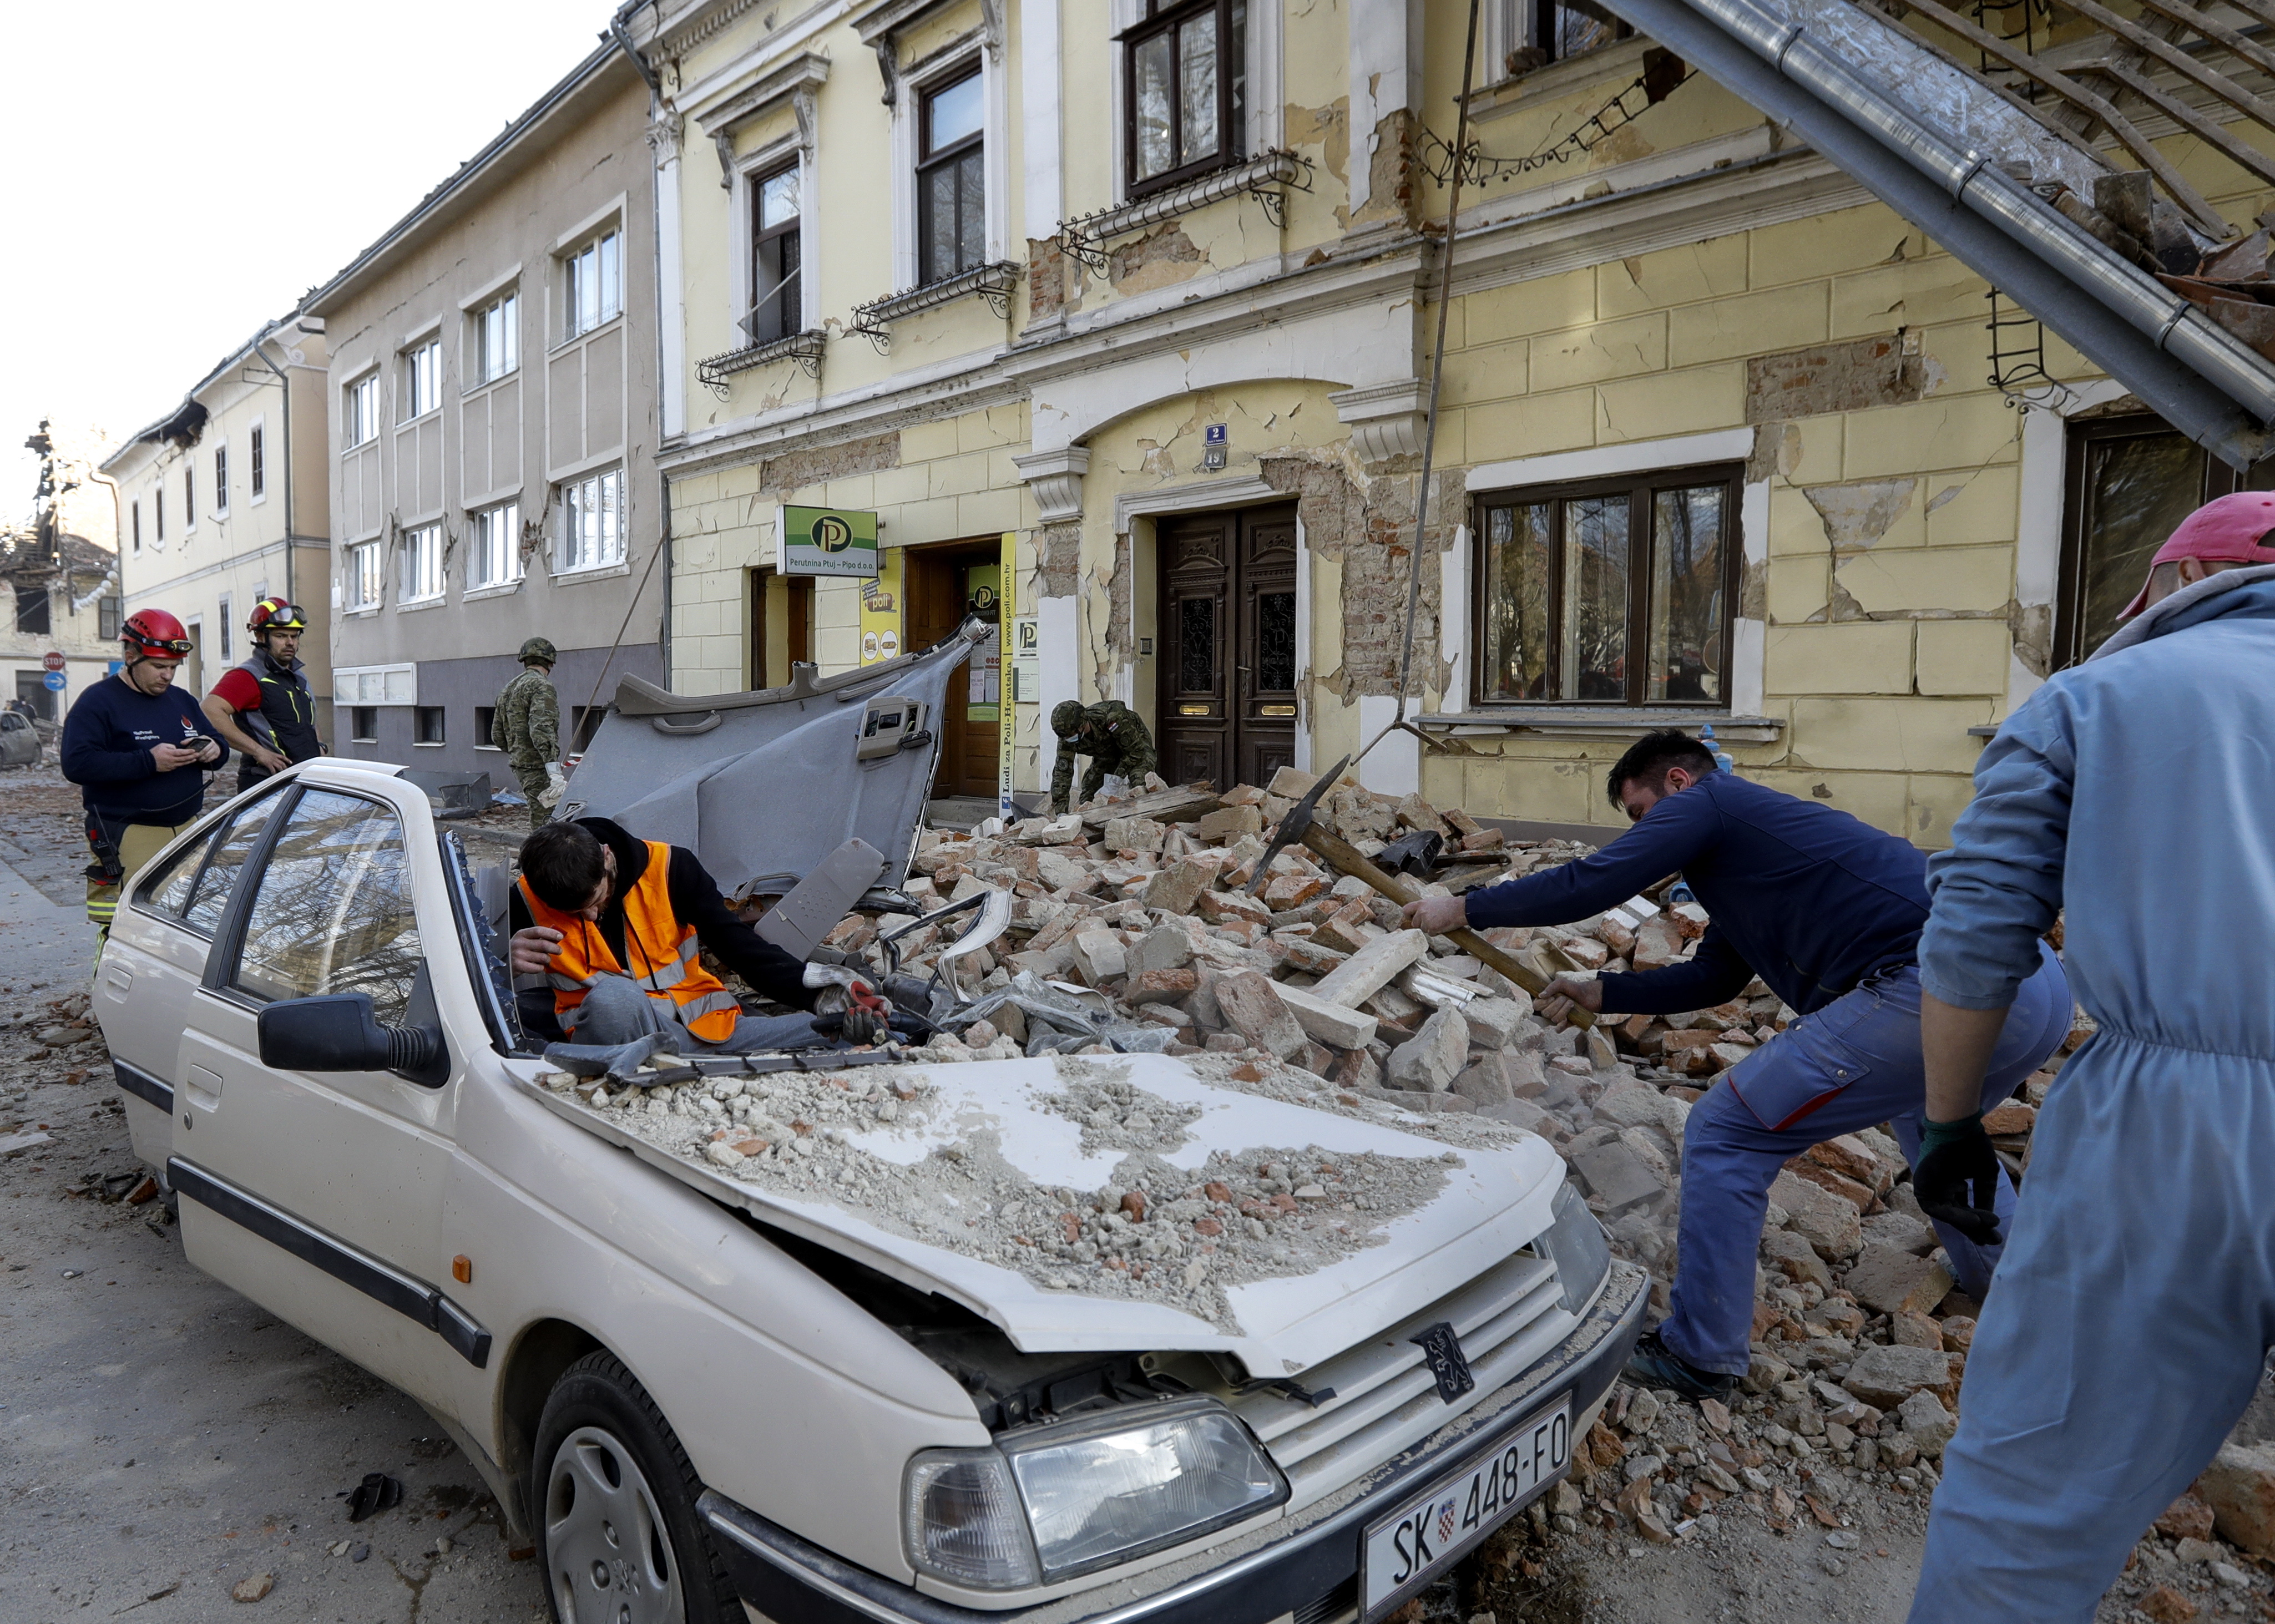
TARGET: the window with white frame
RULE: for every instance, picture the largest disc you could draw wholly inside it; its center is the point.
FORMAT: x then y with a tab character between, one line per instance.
363	585
422	379
158	510
777	302
221	478
592	521
189	496
1531	34
256	469
360	420
1610	591
137	510
495	558
228	623
1186	90
951	178
422	564
496	338
594	283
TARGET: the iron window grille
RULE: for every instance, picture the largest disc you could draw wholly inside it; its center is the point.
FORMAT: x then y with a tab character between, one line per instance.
1608	592
951	178
1185	91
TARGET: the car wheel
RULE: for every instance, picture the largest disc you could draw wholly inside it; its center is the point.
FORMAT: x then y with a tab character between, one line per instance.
615	1499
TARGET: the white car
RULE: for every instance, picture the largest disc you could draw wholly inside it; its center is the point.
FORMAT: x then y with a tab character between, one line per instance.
700	1404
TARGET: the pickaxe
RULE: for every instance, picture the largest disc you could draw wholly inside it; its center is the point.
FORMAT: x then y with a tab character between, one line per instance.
1301	827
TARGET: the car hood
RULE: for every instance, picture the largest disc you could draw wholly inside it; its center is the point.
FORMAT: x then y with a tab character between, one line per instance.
1489	1200
763	786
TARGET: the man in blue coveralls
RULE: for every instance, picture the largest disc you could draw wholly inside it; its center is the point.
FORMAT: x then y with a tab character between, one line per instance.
1827	910
2136	1301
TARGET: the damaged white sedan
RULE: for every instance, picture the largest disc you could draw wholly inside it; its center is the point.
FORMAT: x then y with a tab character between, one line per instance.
839	1337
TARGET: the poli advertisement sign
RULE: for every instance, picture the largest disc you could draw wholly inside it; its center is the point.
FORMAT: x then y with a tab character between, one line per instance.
828	542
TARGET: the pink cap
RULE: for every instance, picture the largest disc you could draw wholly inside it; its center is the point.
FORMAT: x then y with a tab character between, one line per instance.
2233	528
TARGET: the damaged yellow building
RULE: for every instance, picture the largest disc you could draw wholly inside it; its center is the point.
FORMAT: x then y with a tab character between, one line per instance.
1139	299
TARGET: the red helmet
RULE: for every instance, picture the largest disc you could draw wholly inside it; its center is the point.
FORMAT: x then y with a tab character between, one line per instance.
276	614
153	634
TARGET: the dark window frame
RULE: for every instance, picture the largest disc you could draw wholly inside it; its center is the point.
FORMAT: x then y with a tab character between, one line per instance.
950	156
1538	46
1231	105
1639	488
189	496
41	600
2216	478
787	296
220	480
256	474
421	715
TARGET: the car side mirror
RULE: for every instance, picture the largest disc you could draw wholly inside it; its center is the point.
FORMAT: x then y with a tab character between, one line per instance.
337	1032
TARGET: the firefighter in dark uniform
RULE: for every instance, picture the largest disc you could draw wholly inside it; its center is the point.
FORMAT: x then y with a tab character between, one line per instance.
1111	735
264	707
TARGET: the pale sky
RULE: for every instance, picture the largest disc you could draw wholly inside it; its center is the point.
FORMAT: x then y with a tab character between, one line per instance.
173	176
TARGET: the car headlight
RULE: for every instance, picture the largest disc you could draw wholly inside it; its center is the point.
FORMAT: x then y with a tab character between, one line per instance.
1576	1243
1069	1499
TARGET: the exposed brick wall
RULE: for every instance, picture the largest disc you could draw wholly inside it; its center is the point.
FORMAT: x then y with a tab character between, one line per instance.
1058	558
1844	377
1369	530
796	470
1046	280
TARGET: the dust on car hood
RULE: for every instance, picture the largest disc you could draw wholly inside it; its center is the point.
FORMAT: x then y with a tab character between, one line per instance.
998	1134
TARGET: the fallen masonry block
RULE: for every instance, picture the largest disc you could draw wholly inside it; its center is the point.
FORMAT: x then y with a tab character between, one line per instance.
1889	1282
1797	1257
1371	968
2239	1487
1330	1024
1429	1062
1824	1220
1494	1023
1165	947
2187	1517
1225	907
1929	1423
1616	1174
1099	956
1292	782
1488	1080
1160	986
1283	892
1176	888
1858	1196
1850	1157
1228	822
1253	1007
1885	1376
1133	834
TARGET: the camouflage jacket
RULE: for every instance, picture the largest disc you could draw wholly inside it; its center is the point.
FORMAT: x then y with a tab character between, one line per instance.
527	725
1114	738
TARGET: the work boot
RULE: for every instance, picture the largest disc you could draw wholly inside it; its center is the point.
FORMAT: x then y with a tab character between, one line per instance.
1653	1364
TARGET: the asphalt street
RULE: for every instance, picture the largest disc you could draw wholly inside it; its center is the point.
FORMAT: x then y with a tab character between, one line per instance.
162	1439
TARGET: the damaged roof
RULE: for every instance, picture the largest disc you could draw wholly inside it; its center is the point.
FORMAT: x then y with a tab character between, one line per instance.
2002	148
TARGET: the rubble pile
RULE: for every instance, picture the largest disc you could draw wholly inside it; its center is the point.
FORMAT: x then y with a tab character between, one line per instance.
1154	1232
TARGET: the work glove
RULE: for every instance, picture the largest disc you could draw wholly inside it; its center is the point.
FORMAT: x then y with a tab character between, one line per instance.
1956	1160
868	1018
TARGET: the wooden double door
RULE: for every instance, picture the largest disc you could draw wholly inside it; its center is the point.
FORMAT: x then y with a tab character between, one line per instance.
1226	704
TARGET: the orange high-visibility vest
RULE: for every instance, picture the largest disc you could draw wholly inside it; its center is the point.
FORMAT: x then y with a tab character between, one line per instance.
664	954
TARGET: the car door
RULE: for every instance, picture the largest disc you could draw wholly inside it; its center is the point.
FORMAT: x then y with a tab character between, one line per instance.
20	742
319	1195
156	959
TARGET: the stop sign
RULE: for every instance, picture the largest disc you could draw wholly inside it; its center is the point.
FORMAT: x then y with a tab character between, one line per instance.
53	660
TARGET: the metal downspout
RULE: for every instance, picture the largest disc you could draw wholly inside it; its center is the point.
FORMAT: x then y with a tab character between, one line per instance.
2158	345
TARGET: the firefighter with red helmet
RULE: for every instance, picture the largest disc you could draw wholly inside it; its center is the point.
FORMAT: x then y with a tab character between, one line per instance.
264	707
139	749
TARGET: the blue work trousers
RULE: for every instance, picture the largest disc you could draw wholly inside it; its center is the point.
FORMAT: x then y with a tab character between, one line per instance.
2133	1313
1855	1063
617	1010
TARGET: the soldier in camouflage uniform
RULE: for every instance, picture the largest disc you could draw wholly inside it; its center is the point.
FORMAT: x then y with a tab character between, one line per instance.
527	725
1110	734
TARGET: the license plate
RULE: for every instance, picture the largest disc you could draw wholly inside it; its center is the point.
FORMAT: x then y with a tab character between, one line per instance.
1436	1525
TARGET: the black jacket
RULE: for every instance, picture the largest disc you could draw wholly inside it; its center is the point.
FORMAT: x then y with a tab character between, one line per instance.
695	900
